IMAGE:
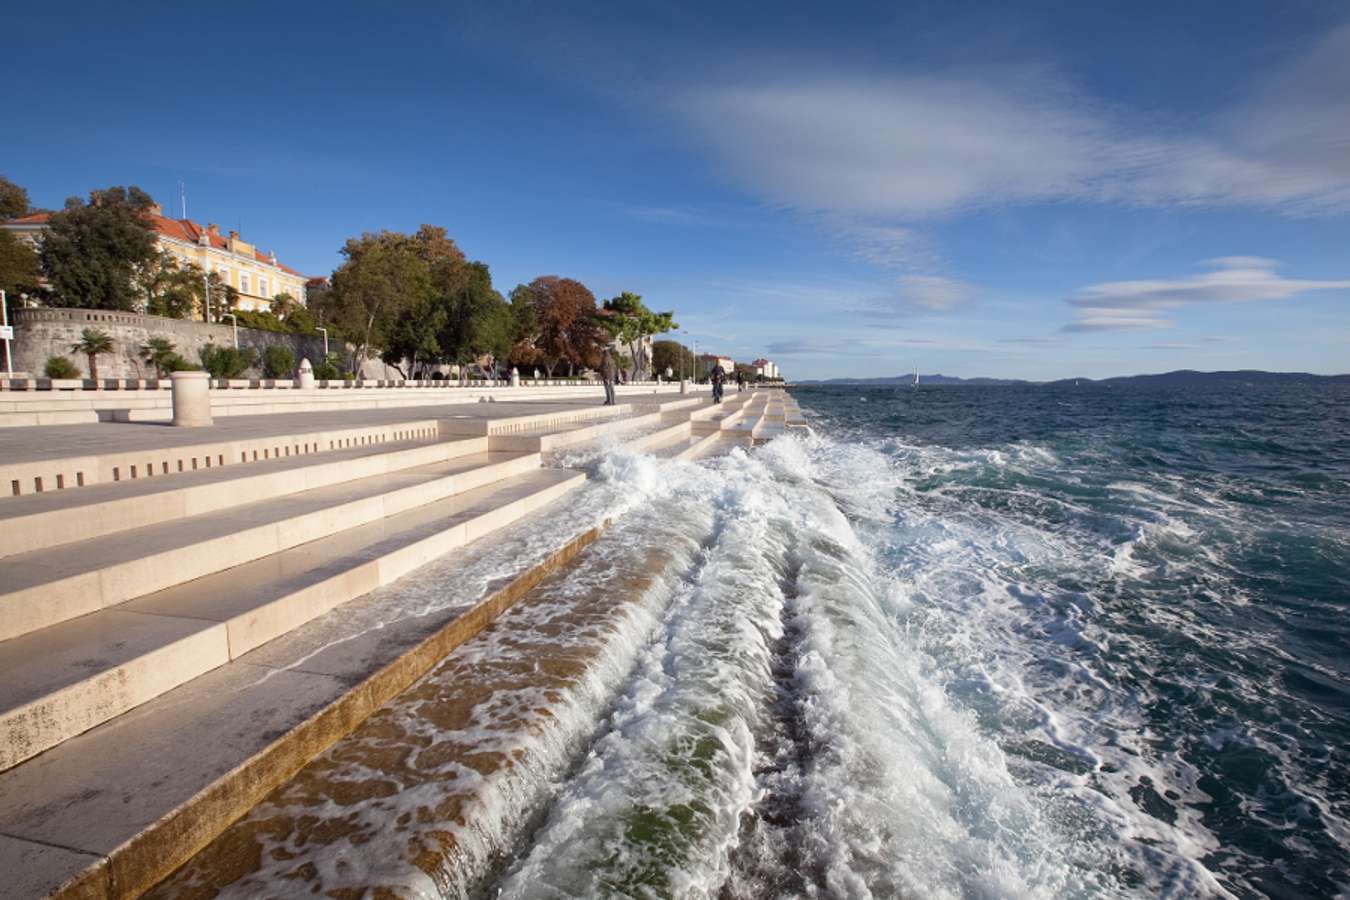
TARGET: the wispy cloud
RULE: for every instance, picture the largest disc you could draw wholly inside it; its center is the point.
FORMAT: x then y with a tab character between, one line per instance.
1140	304
913	147
918	295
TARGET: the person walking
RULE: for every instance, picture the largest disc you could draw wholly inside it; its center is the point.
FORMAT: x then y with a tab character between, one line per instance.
740	381
607	371
718	379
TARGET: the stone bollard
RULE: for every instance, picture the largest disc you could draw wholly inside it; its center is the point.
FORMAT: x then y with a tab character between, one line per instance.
191	399
684	385
306	374
515	377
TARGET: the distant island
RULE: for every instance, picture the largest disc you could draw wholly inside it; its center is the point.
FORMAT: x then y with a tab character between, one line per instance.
1179	378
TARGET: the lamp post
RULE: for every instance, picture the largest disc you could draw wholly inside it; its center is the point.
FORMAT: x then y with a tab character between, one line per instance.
235	323
325	341
206	283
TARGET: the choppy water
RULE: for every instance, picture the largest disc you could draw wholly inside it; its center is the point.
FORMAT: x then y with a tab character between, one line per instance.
962	642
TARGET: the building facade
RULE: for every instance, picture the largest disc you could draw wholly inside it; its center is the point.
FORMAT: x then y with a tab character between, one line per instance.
257	276
710	361
765	369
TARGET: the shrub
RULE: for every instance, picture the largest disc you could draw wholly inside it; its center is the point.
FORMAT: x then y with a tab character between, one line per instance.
60	367
329	369
278	362
226	362
175	363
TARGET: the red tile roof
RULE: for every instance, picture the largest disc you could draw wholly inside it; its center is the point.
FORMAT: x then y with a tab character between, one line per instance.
184	230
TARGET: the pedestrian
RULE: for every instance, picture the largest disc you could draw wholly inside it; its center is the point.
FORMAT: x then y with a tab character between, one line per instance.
607	370
740	381
718	379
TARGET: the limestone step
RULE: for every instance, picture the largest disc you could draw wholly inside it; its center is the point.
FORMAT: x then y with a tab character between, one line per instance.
92	459
43	587
35	521
65	679
549	437
46	417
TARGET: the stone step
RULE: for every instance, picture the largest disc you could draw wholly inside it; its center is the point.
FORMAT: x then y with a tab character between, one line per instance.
186	450
44	587
65	679
29	418
35	521
547	439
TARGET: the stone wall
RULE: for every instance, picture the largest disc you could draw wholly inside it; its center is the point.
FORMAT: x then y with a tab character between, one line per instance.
44	332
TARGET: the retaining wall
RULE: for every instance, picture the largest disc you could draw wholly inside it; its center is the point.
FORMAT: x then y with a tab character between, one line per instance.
45	332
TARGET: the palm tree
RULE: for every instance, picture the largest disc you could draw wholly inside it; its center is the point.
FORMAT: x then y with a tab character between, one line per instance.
92	343
158	352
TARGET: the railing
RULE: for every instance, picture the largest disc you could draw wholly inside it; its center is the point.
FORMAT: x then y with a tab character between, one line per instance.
164	384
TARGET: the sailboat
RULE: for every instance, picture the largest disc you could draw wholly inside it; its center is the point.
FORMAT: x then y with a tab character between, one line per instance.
915	383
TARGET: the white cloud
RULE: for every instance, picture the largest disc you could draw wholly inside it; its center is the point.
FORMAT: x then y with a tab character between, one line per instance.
912	147
1139	304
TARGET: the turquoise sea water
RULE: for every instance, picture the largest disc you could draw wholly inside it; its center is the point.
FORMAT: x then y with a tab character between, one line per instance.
1140	594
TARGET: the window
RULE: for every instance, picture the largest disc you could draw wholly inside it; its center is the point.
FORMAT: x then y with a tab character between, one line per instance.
262	286
224	273
243	283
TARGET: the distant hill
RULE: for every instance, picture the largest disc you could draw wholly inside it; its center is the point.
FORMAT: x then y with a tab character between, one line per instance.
923	379
1179	378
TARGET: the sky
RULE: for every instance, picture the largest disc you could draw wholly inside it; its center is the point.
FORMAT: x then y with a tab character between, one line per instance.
1030	190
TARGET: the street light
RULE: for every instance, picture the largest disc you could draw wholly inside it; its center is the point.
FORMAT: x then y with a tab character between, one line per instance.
235	323
206	283
325	341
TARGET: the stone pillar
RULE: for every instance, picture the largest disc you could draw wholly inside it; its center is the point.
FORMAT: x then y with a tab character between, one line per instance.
306	374
515	377
191	399
684	385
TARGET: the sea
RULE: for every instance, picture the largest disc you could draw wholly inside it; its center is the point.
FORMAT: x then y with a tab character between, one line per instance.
955	642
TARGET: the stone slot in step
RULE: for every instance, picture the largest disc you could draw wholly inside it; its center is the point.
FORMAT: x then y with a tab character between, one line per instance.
477	424
100	467
36	521
65	679
44	587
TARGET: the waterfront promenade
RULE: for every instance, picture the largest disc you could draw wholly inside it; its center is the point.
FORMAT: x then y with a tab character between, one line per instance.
186	614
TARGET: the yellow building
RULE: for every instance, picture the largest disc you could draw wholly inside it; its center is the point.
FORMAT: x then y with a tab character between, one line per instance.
257	276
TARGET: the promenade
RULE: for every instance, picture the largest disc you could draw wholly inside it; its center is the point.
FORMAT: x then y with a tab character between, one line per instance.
189	615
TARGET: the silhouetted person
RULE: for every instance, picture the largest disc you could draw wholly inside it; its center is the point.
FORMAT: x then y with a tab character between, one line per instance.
607	372
718	379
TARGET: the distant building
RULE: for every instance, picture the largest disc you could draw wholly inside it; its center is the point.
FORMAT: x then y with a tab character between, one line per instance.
765	369
257	276
709	361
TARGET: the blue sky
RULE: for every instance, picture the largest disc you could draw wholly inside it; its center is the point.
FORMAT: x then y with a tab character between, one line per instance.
851	189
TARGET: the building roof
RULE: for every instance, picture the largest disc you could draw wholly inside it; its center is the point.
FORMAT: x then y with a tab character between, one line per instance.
760	362
184	230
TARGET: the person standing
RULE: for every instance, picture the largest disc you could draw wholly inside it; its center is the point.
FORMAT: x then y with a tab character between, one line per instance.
718	379
607	371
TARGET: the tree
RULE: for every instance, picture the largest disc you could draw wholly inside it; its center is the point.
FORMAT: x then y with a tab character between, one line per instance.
383	276
477	320
94	252
628	320
13	200
220	298
159	352
674	356
171	288
19	273
567	332
524	328
283	305
92	343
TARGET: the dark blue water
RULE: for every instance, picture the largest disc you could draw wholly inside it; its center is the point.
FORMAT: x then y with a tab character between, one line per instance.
1143	596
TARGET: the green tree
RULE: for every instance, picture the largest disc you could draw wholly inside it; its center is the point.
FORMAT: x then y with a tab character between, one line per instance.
384	275
674	356
19	272
478	321
13	200
93	253
171	288
628	320
160	353
219	298
92	343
